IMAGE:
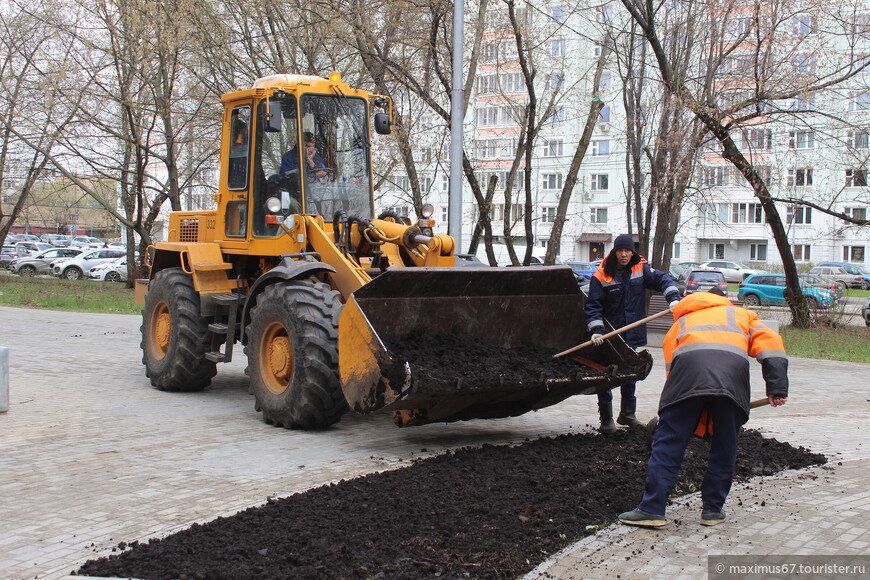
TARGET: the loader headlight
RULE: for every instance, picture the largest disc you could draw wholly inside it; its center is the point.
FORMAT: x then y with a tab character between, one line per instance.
273	204
427	210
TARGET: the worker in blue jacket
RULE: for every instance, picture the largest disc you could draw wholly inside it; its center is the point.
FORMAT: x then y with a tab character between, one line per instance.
617	292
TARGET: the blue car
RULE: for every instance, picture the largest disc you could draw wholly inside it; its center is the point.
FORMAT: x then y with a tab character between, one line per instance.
585	269
769	289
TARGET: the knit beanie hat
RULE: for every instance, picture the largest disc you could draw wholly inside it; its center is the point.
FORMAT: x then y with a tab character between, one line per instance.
623	242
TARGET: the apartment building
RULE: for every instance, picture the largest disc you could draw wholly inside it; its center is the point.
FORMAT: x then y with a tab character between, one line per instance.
816	149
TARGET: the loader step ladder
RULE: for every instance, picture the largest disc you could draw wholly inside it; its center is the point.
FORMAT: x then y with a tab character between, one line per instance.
223	329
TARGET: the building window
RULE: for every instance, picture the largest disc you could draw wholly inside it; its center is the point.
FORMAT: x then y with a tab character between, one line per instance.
604	115
599	182
759	138
551	181
558	115
853	254
600	147
445	182
487	149
557	14
554	82
487	84
757	252
801	252
859	101
713	212
598	215
858	139
802	139
445	214
512	82
548	215
747	213
606	81
675	251
715	251
487	116
802	103
798	214
856	178
803	24
800	177
856	213
717	176
489	52
804	63
553	147
556	48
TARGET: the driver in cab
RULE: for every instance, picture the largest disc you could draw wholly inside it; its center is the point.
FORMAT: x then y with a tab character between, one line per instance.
314	163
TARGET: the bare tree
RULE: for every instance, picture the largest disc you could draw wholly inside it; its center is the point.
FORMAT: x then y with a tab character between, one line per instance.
765	39
33	70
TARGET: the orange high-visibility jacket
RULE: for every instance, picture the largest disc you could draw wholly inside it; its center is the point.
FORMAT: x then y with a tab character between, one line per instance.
707	352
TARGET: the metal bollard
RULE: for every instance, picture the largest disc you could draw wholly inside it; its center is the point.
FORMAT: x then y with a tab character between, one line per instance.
4	379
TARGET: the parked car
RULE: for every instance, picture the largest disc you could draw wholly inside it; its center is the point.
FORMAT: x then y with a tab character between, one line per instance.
27	238
87	242
865	311
734	271
678	268
78	268
838	276
585	269
813	281
40	263
113	271
59	240
770	289
7	254
30	248
853	269
698	280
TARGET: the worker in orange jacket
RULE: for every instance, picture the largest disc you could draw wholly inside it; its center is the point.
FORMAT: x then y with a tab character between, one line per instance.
707	354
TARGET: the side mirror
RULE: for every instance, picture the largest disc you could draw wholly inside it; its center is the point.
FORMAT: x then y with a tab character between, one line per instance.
272	121
382	124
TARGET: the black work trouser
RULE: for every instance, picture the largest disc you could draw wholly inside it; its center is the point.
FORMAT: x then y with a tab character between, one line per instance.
676	425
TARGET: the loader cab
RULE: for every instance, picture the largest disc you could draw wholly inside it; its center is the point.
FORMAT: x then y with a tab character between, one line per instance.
284	180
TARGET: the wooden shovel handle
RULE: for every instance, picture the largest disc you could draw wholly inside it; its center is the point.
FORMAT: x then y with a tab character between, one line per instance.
614	332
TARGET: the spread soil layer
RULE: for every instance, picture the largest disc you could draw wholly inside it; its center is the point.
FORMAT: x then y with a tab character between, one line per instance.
484	512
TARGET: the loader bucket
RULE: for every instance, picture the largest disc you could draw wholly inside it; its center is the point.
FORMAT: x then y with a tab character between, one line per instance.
451	344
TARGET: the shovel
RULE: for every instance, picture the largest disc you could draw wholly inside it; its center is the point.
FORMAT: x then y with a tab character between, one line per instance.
614	332
654	422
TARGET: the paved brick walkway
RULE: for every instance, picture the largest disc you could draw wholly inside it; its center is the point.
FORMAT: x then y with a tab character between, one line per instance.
91	455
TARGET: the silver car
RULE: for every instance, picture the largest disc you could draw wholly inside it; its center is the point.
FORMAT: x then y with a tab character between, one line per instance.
40	263
733	271
79	267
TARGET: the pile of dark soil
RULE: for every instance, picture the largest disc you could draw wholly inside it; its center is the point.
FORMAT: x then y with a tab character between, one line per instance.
488	512
439	359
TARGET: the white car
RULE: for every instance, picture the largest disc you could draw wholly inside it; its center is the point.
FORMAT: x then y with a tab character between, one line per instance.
114	271
734	271
87	242
79	267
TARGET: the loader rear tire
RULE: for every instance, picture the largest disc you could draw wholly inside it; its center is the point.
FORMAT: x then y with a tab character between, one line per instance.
292	355
175	336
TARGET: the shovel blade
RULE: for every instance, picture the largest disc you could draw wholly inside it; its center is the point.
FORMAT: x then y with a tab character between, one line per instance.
450	344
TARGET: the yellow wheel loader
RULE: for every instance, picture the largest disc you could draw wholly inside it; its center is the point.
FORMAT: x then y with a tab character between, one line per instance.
328	300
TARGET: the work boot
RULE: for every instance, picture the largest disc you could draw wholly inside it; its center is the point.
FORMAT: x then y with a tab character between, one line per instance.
605	413
627	407
711	517
638	517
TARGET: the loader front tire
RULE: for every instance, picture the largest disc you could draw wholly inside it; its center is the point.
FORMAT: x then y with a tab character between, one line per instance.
175	336
292	355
